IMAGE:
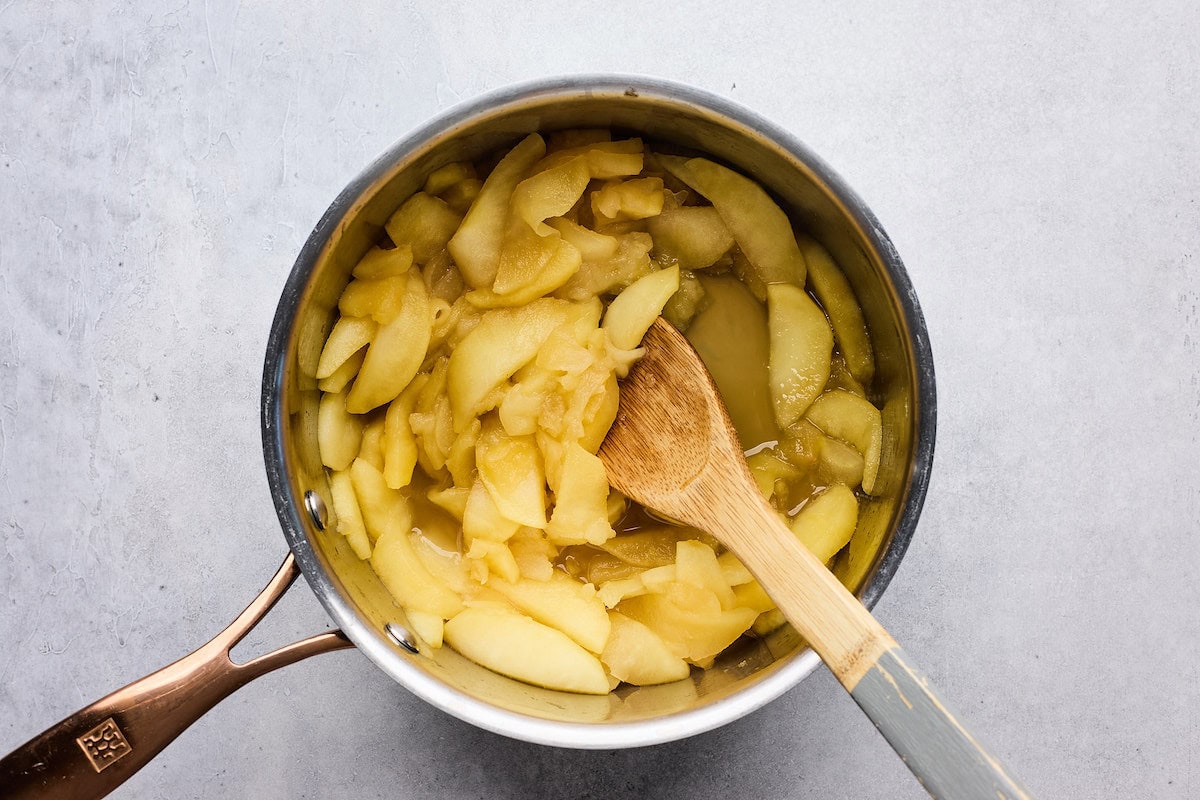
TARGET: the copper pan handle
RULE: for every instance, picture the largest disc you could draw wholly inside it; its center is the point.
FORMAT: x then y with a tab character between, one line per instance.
99	747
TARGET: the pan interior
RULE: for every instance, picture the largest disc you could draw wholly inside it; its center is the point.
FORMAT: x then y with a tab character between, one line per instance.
752	671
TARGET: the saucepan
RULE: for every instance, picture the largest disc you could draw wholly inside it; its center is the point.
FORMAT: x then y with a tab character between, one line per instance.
97	748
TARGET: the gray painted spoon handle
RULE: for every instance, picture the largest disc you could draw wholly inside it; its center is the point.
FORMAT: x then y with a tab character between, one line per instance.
945	757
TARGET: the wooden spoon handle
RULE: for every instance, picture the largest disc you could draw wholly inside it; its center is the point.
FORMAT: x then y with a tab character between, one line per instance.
944	756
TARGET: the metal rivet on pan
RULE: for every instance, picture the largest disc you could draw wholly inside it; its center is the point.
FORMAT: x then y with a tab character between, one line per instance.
316	508
400	635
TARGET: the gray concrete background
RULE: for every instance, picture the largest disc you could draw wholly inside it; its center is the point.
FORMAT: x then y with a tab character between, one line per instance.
1037	164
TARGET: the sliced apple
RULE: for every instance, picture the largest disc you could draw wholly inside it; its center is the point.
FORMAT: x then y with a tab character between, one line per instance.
504	341
427	626
690	635
836	295
341	377
635	654
349	517
692	236
696	564
752	596
759	225
349	335
801	347
581	502
563	603
380	263
395	353
738	363
512	470
522	648
827	522
733	570
630	315
477	243
397	564
339	433
399	442
425	223
852	419
382	507
483	520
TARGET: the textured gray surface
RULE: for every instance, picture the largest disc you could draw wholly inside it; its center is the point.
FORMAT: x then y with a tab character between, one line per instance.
1037	165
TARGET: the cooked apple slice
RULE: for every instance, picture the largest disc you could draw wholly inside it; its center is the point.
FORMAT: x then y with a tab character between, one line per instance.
349	517
592	246
563	603
405	577
827	522
399	442
738	364
760	227
801	347
533	554
690	635
522	648
838	462
635	654
504	341
378	298
767	466
767	622
752	596
636	198
492	558
371	450
733	570
482	520
693	236
630	315
581	502
845	314
696	564
512	470
617	589
606	159
380	263
477	243
396	352
852	419
425	223
548	193
429	627
447	175
341	377
452	500
349	335
649	547
382	506
530	266
339	433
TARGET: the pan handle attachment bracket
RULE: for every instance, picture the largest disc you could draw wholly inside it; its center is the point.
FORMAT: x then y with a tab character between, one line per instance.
99	747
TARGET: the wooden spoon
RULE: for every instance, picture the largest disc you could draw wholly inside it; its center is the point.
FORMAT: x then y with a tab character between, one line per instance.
673	449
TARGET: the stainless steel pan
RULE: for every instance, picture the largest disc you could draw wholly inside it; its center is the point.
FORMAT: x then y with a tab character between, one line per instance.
94	750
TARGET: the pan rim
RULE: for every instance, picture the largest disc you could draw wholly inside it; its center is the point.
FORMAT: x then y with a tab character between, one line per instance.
396	663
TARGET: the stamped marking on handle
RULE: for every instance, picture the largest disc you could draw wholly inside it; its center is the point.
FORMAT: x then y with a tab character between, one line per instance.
104	745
